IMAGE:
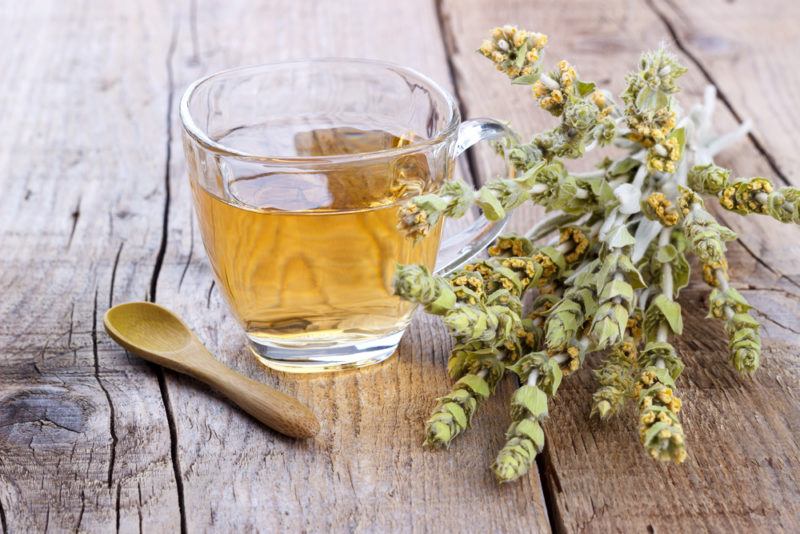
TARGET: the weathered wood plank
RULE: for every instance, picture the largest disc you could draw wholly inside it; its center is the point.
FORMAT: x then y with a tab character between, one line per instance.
84	443
744	454
367	469
742	46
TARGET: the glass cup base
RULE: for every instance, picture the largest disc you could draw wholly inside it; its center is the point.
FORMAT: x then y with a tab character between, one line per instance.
324	359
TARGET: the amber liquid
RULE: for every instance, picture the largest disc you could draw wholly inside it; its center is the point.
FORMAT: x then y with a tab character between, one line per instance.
307	259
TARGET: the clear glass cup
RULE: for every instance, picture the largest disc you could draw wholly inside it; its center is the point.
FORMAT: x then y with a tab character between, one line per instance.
298	171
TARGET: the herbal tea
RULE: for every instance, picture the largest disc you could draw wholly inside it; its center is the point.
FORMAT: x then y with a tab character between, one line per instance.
307	259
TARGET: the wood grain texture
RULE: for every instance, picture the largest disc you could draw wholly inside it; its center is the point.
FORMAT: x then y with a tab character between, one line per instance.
96	210
84	442
744	465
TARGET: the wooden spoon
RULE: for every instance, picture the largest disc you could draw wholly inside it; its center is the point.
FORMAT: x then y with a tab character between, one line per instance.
157	335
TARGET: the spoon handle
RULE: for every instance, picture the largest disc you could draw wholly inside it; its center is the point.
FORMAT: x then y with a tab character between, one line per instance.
278	411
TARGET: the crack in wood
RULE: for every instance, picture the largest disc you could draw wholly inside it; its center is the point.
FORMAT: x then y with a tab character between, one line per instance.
75	215
551	489
162	382
113	275
770	319
117	504
723	97
787	294
83	508
173	438
162	247
139	509
3	520
208	295
42	422
71	326
111	412
548	494
191	251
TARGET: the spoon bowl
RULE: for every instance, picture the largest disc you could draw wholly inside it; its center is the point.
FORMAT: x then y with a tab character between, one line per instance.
157	335
147	326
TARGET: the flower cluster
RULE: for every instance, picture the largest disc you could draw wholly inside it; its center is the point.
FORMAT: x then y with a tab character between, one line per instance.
605	269
515	52
552	90
659	428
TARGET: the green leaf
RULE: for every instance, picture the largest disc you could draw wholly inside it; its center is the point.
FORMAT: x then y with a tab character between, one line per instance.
743	321
589	301
568	320
680	273
585	88
650	99
666	254
521	53
736	298
609	266
671	311
531	430
430	202
525	79
726	233
456	365
653	431
620	238
475	384
680	135
604	331
605	193
621	316
458	413
617	288
443	303
632	274
557	375
490	205
555	255
623	166
663	376
532	399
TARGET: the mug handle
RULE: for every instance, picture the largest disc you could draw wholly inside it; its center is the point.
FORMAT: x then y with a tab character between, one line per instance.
468	243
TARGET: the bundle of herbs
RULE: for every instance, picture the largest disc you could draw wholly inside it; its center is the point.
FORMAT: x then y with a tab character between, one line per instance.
605	268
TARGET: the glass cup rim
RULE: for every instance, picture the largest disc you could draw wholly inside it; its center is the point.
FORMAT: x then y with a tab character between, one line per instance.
200	136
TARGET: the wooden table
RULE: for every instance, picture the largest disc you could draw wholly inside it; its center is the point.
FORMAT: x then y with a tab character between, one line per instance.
95	211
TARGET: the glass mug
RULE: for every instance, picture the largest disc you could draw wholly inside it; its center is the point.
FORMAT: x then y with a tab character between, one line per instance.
298	171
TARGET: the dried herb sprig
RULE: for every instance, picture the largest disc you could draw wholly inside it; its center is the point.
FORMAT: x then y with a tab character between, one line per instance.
610	279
